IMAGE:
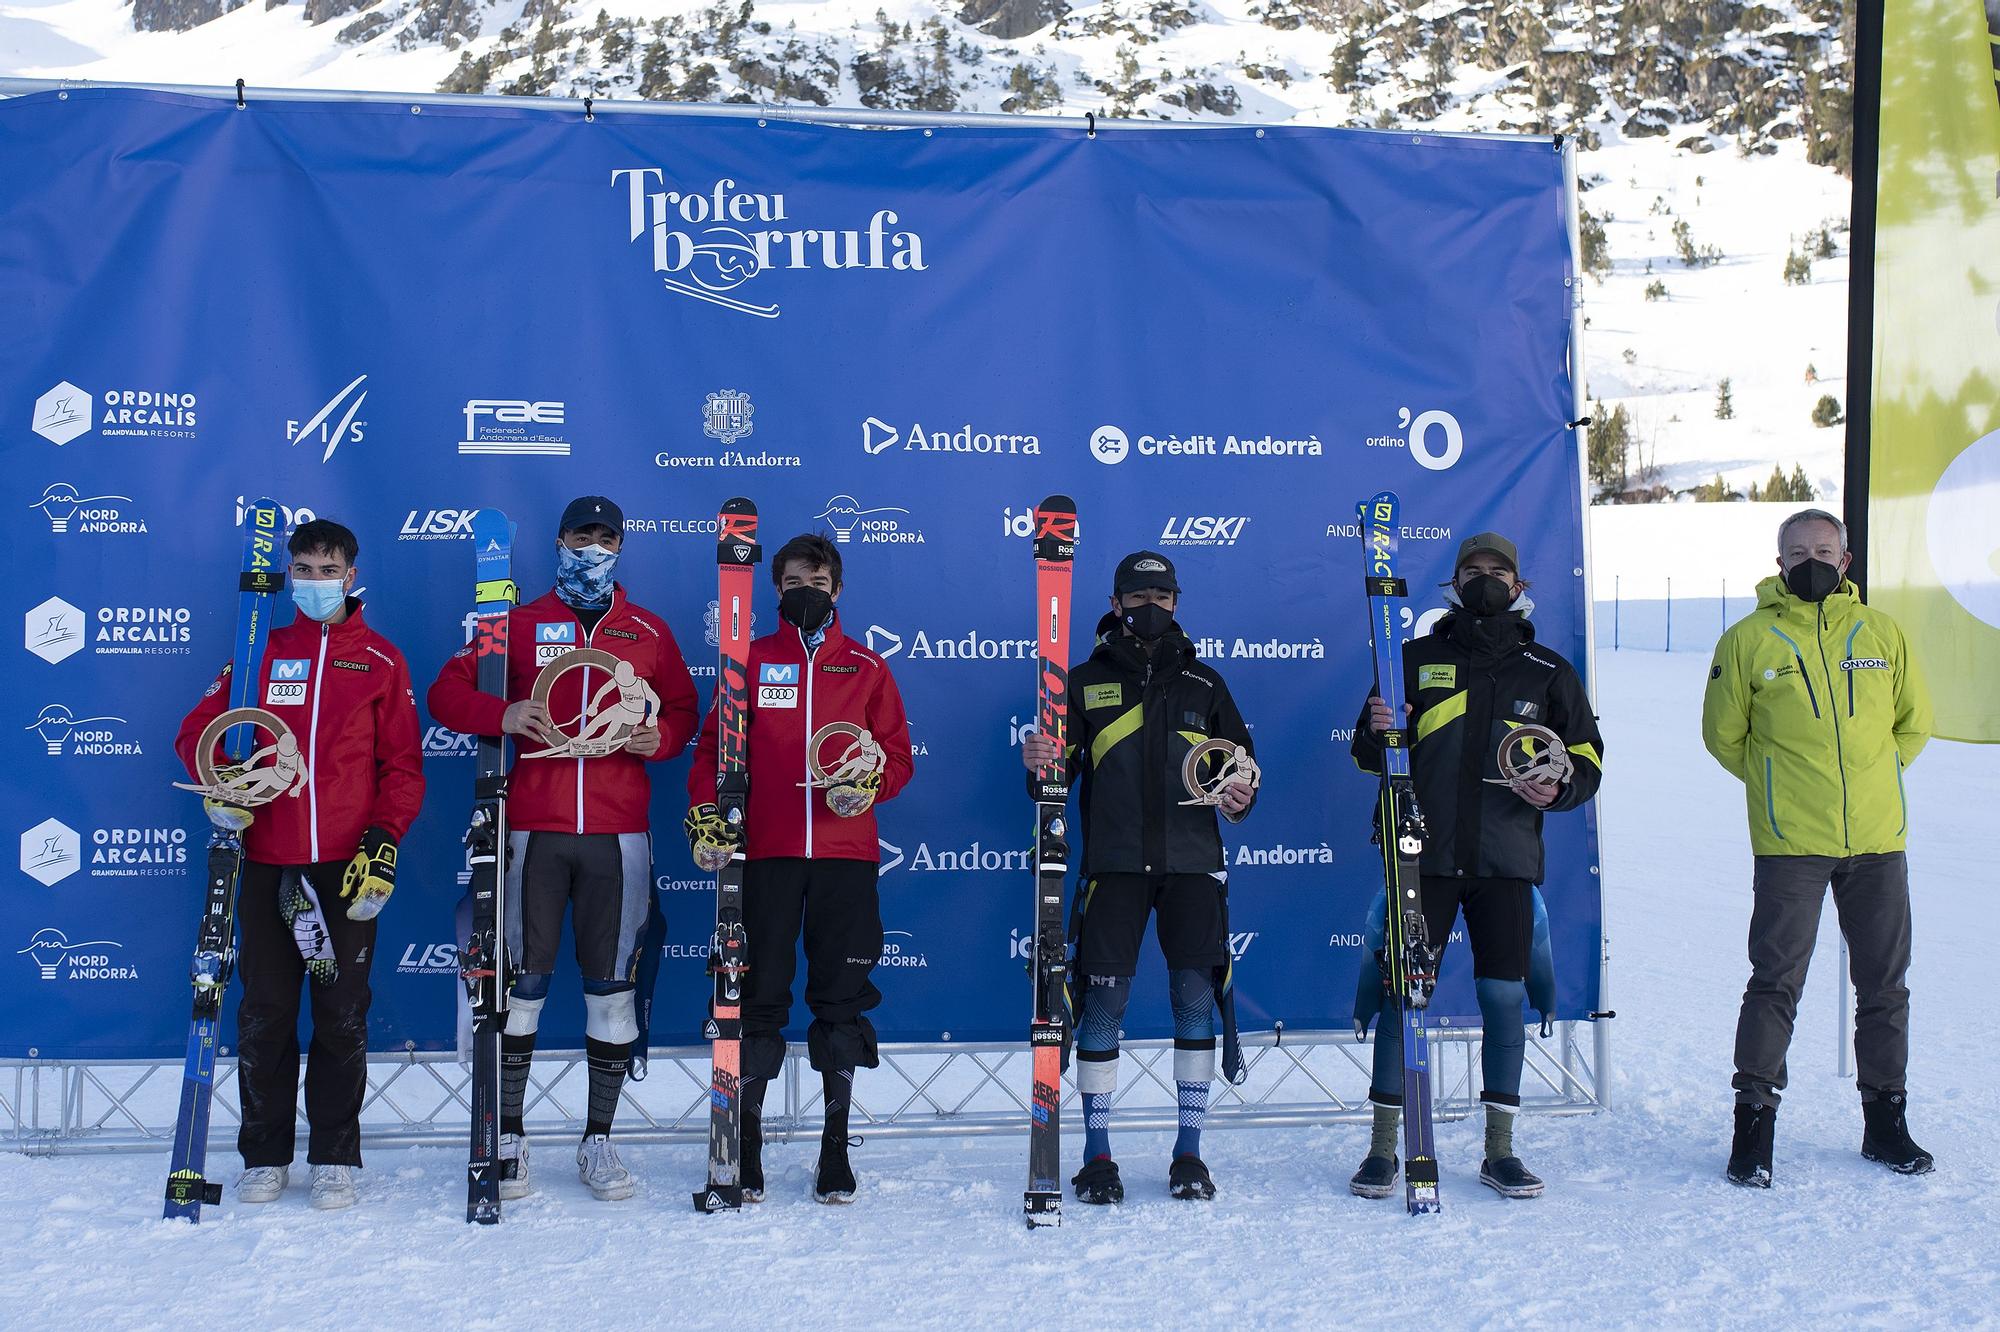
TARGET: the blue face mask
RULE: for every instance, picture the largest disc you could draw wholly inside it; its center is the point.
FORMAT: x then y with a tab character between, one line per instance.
584	577
319	598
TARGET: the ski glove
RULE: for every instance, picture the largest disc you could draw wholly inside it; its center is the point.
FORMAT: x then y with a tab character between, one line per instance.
371	875
298	907
712	838
851	798
221	813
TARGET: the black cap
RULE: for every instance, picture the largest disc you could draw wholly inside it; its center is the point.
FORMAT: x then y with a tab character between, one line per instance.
1143	569
592	510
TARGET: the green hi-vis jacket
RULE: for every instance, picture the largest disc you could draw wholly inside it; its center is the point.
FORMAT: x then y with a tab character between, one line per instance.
1818	709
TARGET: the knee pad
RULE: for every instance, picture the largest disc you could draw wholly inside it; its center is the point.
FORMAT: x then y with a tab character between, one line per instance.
612	1018
1097	1071
524	1012
530	986
1194	1060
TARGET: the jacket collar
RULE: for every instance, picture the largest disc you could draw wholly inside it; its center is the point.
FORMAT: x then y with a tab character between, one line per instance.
1773	595
1118	649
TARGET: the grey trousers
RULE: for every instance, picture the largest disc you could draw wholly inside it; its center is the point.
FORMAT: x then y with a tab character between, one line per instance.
1872	896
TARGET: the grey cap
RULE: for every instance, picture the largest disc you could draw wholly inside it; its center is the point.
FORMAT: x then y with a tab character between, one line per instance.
1487	543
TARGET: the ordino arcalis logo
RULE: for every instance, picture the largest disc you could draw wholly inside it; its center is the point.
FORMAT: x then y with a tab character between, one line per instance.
713	240
67	412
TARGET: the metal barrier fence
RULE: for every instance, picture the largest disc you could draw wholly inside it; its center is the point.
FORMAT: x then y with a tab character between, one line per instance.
52	1107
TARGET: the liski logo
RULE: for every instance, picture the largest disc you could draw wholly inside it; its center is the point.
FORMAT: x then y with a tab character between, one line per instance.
53	953
93	736
513	427
708	245
443	742
349	426
53	630
435	959
63	504
846	515
437	525
725	416
51	851
62	413
1203	530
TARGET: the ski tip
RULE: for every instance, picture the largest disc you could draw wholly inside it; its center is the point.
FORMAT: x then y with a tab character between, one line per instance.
740	505
1057	504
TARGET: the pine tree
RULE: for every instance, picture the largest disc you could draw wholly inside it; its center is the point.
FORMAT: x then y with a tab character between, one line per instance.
1725	403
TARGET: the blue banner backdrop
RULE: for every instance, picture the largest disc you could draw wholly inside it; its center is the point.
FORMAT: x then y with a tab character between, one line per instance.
1216	340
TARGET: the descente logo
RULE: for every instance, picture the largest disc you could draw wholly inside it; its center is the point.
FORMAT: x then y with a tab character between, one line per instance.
708	243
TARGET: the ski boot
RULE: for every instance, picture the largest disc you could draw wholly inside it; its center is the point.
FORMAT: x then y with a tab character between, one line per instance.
598	1166
1188	1179
1098	1182
513	1166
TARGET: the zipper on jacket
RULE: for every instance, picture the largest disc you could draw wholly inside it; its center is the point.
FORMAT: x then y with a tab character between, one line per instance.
810	789
1848	667
1771	801
588	635
1811	697
312	744
1839	754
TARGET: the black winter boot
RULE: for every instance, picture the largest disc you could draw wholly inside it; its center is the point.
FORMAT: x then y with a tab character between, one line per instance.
1886	1136
750	1173
1750	1150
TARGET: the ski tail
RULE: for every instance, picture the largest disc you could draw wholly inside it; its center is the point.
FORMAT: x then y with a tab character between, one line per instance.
260	578
1049	1027
737	554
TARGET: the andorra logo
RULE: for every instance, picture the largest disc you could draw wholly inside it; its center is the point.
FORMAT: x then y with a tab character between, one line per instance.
708	244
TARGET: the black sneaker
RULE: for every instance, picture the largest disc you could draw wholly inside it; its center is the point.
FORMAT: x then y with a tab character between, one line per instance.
833	1181
1375	1179
1750	1149
1098	1182
1886	1137
1188	1179
1509	1178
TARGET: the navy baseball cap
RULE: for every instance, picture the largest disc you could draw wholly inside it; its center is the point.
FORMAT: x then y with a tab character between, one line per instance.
1143	569
592	510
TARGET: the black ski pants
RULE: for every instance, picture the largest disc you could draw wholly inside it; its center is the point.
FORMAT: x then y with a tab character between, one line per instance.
267	1024
835	905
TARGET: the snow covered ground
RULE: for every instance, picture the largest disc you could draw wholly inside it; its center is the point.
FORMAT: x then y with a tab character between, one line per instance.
1637	1229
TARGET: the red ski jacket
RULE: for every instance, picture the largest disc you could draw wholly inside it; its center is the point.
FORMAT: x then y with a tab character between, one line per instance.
596	795
345	692
793	694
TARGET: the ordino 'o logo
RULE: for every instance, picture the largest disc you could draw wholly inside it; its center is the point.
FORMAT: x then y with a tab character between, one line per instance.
1964	547
1109	445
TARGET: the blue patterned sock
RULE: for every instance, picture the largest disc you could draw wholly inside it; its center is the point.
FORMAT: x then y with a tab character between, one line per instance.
1194	1109
1096	1125
1097	1058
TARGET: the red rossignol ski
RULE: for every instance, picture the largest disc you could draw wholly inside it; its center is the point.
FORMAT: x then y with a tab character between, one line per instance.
1048	1031
736	556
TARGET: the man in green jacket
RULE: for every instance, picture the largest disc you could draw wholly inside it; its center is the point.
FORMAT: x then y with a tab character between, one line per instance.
1814	703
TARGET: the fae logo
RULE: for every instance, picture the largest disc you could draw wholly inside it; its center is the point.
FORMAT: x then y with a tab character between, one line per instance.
63	504
513	427
846	516
51	851
53	630
62	413
1108	444
92	736
709	244
55	955
350	427
1205	530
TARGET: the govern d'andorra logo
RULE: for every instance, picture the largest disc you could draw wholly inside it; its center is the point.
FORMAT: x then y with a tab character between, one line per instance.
710	243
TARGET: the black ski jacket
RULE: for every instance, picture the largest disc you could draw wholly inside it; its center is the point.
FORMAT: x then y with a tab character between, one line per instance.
1470	681
1133	719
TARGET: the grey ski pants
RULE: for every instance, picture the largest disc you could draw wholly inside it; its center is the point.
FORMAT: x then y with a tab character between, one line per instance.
1871	893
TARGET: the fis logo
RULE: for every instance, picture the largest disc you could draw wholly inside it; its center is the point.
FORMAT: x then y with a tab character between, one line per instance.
350	426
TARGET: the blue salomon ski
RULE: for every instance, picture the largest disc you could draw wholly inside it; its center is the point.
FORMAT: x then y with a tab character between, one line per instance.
1409	960
261	579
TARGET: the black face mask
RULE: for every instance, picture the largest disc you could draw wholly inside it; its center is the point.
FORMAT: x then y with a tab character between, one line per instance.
1483	595
809	608
1148	622
1812	580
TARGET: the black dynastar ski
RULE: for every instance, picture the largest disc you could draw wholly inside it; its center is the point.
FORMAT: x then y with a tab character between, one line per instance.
1410	958
482	959
261	579
736	557
1048	1030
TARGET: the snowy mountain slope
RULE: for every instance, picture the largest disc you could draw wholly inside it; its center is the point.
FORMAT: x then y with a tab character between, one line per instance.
1709	114
1638	1228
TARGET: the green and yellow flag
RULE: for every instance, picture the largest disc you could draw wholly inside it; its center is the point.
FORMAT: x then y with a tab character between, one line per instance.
1934	464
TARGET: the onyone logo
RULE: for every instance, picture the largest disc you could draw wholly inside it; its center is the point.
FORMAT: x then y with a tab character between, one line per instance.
53	630
62	413
709	245
847	515
1865	664
350	426
878	437
513	427
94	736
1203	530
51	851
52	952
63	504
